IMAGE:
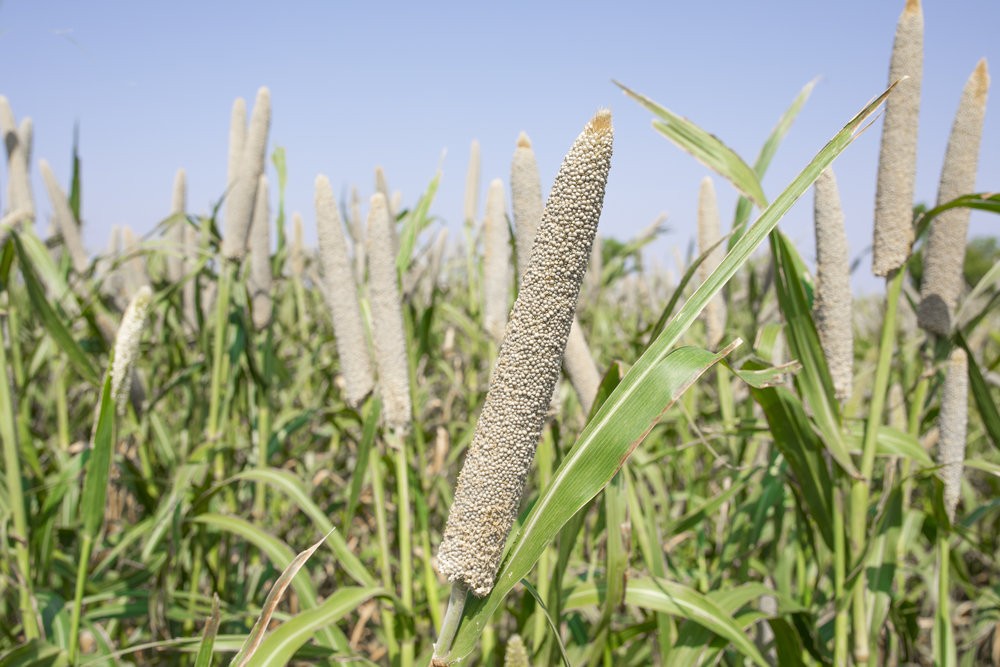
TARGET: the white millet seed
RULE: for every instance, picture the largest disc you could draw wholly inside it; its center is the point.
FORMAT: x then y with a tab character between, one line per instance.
496	262
709	233
243	189
897	161
952	425
526	195
297	249
833	307
176	229
942	281
342	297
64	220
260	258
387	317
489	487
127	345
471	202
526	199
516	654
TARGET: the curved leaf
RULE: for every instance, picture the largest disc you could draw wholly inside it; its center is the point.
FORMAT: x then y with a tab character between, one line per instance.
281	644
674	599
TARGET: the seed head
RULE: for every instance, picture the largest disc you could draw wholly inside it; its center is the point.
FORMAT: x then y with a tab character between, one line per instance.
897	161
296	250
64	220
952	424
176	230
243	186
516	654
496	261
387	317
833	309
472	184
526	196
342	297
489	487
942	280
709	233
127	345
18	142
260	258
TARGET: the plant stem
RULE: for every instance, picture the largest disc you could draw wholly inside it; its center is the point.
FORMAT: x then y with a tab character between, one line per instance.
384	553
219	362
449	625
15	493
81	577
860	487
397	443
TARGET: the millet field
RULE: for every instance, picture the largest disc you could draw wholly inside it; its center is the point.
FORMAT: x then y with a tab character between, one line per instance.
498	436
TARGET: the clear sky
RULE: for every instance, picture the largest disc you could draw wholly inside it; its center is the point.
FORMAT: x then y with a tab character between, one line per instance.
356	85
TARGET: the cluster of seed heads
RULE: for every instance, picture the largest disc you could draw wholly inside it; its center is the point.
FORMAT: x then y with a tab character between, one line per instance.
247	152
709	235
492	479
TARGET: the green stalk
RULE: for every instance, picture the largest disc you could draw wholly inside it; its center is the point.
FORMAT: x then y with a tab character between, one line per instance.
840	623
398	445
15	494
219	363
543	462
384	554
263	421
62	406
81	577
944	640
859	487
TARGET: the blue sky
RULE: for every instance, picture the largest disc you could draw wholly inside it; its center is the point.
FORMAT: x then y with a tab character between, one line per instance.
356	85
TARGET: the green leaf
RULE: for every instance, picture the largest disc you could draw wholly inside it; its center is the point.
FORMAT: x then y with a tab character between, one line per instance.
204	657
767	151
98	465
271	604
291	486
280	556
51	319
675	599
793	435
704	147
983	396
281	644
414	223
814	382
34	653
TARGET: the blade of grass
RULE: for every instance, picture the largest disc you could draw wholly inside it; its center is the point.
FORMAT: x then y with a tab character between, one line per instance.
704	147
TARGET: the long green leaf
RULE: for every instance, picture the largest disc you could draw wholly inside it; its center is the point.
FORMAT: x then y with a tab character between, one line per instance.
271	604
280	556
291	486
51	319
767	151
704	147
614	423
98	466
814	381
204	657
795	439
281	644
674	599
